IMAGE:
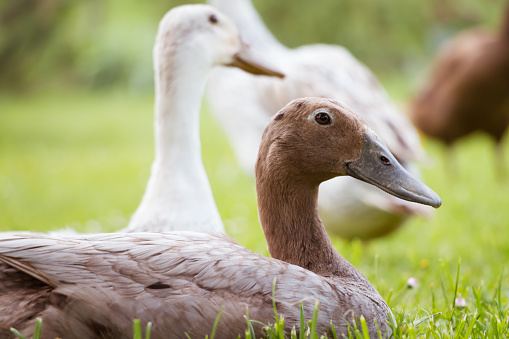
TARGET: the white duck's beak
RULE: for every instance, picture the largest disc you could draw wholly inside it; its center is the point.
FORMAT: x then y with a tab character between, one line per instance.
251	62
377	166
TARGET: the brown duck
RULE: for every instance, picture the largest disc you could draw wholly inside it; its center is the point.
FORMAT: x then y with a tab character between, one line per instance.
93	286
469	87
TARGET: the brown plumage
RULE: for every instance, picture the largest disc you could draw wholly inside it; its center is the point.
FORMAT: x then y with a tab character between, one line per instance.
92	286
469	87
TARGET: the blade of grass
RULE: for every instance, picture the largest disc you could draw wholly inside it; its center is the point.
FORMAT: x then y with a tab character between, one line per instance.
443	288
456	288
499	296
424	319
314	320
137	329
380	336
334	335
389	297
17	334
411	332
471	325
249	325
216	322
461	324
280	326
364	327
274	299
302	330
350	336
148	330
38	327
293	333
446	272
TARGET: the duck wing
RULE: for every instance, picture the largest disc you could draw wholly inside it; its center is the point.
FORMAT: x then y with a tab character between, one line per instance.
179	281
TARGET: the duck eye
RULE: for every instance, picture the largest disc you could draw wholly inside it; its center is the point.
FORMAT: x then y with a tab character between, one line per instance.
384	160
322	118
213	19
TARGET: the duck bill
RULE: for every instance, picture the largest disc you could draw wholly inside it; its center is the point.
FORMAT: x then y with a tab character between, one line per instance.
377	166
249	61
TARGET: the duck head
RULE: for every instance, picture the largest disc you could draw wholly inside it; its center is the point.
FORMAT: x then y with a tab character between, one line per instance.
205	38
315	139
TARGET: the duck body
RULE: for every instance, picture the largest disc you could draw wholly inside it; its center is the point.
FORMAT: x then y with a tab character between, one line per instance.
178	281
314	71
91	286
468	89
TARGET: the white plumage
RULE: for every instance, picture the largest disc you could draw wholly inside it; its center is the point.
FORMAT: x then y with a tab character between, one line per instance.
189	44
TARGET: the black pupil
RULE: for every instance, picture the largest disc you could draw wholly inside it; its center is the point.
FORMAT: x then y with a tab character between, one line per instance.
213	18
384	160
322	118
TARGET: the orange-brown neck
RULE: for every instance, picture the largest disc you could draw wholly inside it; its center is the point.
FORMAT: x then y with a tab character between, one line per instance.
288	211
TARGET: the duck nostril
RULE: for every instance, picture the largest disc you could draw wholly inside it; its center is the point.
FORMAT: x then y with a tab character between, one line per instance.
384	160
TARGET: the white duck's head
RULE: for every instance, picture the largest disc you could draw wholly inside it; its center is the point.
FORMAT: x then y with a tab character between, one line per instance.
201	36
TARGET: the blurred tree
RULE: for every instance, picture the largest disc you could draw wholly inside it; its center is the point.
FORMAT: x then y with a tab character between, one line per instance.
25	28
99	43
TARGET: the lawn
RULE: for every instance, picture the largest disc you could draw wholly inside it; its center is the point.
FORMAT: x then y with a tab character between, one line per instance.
81	160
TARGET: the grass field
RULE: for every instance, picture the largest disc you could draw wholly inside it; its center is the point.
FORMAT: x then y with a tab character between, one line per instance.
81	160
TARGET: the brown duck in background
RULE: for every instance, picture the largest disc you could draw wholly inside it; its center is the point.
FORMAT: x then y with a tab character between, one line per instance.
468	89
93	286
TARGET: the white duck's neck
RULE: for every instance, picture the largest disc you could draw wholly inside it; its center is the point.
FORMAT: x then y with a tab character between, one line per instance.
178	96
178	195
249	23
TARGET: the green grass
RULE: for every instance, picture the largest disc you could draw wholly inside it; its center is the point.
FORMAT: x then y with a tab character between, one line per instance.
82	160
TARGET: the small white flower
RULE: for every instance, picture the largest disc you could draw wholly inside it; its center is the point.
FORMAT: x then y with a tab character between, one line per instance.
460	302
411	282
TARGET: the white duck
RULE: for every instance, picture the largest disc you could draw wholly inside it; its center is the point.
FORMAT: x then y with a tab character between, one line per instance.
189	44
90	286
322	71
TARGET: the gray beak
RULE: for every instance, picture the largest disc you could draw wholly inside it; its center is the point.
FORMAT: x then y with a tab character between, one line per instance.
377	166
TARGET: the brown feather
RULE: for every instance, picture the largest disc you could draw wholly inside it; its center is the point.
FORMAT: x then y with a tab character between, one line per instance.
28	269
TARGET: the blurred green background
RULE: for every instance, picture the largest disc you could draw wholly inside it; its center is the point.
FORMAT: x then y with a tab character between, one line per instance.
76	139
104	43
